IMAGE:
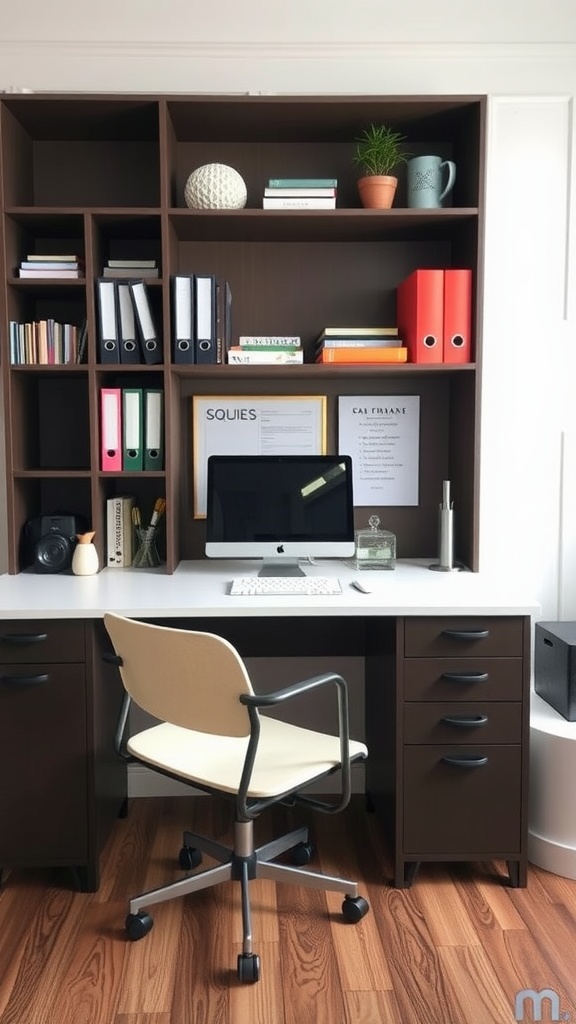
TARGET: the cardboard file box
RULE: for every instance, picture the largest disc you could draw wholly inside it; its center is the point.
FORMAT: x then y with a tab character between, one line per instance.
555	666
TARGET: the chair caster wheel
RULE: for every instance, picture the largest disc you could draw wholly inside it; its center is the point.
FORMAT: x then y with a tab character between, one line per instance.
248	967
138	925
354	909
189	858
302	853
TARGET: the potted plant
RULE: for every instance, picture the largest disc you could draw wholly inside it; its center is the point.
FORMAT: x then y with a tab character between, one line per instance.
379	149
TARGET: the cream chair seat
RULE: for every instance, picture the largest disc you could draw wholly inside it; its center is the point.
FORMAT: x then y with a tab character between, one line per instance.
213	735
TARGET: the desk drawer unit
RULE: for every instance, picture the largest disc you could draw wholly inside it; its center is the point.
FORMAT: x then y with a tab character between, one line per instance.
460	777
56	759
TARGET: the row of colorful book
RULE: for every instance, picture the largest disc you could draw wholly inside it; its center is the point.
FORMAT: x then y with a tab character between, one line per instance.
47	343
300	194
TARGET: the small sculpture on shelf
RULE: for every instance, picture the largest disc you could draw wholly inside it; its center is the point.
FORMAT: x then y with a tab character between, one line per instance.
85	560
215	187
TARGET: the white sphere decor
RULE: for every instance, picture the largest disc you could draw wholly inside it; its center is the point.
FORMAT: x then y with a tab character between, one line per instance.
215	187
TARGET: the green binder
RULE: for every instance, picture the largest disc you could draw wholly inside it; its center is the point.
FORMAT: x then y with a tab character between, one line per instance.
153	428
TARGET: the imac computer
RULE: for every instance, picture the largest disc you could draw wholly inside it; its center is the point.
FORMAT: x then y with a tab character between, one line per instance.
279	508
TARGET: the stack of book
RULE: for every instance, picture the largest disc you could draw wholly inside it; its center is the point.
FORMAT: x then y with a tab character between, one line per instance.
52	265
131	268
360	345
300	194
266	349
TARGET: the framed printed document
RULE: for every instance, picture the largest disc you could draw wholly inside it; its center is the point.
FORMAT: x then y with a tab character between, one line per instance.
253	425
382	434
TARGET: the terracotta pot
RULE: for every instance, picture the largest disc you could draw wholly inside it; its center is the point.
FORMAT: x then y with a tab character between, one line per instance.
377	191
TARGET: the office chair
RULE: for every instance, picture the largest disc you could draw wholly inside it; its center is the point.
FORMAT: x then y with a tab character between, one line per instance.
213	736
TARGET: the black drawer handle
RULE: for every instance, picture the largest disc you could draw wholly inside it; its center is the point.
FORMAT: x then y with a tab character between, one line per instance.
466	760
464	721
465	677
466	634
23	638
25	680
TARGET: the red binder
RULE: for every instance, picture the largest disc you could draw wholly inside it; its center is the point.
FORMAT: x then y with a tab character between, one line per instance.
111	429
457	316
419	312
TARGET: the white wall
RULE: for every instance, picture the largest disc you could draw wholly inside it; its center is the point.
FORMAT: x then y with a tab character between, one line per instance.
522	53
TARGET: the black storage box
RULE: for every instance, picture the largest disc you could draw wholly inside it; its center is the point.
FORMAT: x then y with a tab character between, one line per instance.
555	666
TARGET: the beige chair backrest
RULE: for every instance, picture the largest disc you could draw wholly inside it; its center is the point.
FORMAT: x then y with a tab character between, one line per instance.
187	678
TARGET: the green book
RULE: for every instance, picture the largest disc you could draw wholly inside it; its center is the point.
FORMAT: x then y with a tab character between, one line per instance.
302	182
269	341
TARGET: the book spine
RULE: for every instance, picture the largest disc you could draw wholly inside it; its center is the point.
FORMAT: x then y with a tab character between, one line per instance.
50	273
360	355
304	203
119	532
302	182
114	533
359	332
296	193
266	357
392	342
269	341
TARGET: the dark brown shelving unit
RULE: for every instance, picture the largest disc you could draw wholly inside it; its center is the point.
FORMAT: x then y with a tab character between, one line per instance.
102	175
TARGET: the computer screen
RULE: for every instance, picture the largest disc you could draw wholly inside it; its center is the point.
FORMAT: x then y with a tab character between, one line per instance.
280	508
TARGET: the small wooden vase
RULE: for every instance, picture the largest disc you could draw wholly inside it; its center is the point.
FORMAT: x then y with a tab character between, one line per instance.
377	191
85	557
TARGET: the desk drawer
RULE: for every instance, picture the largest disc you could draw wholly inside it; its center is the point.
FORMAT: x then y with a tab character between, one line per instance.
470	722
463	679
42	641
463	636
451	810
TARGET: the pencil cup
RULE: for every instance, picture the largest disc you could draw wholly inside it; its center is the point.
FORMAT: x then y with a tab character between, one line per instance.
146	556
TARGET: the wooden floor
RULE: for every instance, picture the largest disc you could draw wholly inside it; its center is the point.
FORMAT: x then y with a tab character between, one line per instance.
454	949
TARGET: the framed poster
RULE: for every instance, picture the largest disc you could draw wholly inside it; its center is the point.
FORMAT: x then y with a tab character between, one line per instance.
253	425
382	434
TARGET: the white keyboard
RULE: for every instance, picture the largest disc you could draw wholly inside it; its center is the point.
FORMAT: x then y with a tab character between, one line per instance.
278	586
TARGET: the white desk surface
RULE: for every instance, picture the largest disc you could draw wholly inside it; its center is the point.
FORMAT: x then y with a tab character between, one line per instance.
201	588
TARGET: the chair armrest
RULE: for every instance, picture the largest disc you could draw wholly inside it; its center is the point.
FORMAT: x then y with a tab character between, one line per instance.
278	696
121	729
267	700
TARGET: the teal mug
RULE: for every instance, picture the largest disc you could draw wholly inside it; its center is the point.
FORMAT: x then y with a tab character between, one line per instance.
430	179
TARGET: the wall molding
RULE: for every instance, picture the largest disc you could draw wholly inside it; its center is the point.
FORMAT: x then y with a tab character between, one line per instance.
296	51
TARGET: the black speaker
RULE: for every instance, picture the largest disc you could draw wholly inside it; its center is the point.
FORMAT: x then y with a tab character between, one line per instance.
48	542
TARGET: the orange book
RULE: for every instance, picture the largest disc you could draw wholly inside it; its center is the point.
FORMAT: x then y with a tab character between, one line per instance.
352	355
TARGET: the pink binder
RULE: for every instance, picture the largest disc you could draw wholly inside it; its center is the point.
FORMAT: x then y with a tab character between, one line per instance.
111	429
